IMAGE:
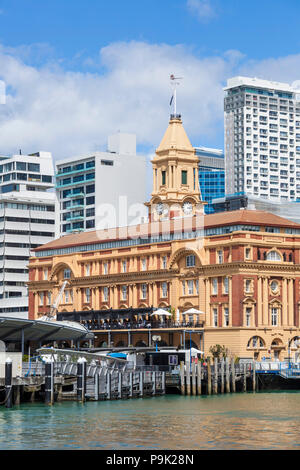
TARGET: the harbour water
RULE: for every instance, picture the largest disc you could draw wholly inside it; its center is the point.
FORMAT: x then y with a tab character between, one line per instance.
234	421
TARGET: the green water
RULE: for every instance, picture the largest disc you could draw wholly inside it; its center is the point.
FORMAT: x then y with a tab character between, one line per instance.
233	421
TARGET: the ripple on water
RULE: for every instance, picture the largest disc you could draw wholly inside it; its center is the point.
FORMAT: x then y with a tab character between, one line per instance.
233	421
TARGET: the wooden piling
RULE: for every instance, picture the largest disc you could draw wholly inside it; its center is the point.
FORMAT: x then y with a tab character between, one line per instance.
188	378
96	386
227	375
222	375
199	378
245	377
8	383
208	377
153	383
254	376
233	376
120	380
108	385
182	384
216	376
130	384
141	384
163	382
193	378
17	394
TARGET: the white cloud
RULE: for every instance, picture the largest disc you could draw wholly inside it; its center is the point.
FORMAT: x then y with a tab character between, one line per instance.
202	9
70	113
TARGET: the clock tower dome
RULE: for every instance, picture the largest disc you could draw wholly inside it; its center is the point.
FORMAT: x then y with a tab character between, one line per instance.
176	191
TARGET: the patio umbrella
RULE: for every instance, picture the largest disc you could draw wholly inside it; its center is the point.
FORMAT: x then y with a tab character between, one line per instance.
192	311
161	312
196	351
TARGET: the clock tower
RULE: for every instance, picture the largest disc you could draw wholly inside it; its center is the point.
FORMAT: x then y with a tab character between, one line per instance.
176	191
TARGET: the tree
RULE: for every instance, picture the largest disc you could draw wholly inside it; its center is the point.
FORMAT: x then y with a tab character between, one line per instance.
218	351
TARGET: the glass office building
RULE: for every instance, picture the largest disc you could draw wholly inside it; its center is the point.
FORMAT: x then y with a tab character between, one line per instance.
211	175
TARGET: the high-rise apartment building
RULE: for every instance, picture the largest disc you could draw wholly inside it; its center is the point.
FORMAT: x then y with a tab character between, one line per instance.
99	189
27	220
262	139
211	175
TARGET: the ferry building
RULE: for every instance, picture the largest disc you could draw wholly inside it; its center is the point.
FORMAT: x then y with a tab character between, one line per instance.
231	278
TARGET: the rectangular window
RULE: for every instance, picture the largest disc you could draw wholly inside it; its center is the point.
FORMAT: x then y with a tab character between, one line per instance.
190	261
163	177
226	285
215	286
49	298
164	289
105	268
197	286
164	262
144	291
144	264
67	273
124	266
183	287
226	316
215	315
247	253
184	177
248	285
190	287
124	292
41	298
220	256
67	296
248	316
274	316
87	269
105	294
46	274
87	295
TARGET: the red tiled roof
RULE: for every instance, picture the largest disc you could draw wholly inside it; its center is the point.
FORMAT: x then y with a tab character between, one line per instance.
238	217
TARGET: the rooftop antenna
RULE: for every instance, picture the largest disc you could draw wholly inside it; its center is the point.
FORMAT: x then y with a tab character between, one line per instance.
174	84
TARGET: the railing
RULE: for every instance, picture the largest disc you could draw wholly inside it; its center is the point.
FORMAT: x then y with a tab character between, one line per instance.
137	326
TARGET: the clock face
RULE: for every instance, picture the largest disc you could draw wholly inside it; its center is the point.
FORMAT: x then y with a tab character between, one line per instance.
187	207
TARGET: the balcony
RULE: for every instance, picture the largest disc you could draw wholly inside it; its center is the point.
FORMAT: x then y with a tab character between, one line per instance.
146	325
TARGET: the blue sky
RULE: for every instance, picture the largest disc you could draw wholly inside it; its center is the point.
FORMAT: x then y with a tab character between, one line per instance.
77	70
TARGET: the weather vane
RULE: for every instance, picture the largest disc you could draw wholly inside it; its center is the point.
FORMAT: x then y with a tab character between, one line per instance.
174	84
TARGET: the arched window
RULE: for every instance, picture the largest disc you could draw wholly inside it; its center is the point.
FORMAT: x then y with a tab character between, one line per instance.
255	342
273	256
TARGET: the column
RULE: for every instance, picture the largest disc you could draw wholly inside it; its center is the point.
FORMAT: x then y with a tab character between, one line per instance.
230	299
202	305
265	302
259	301
290	302
134	295
207	302
284	302
115	297
154	301
150	293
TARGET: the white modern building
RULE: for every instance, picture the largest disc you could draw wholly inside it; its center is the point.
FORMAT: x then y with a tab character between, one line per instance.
27	220
262	139
102	189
